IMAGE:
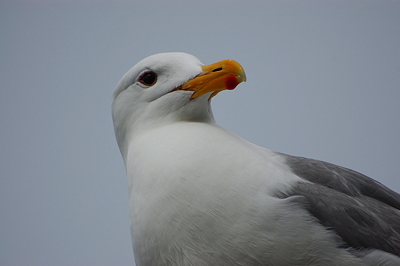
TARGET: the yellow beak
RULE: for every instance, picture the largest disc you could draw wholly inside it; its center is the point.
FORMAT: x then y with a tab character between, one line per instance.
223	75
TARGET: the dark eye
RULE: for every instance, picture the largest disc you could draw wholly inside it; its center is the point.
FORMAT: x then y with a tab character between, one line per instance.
148	78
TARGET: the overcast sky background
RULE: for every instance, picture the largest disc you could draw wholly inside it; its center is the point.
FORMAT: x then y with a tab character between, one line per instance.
323	82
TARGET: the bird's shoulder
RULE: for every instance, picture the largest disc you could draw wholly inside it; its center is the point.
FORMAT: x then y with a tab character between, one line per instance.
362	211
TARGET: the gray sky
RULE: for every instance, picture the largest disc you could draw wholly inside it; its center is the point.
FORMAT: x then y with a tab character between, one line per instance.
323	82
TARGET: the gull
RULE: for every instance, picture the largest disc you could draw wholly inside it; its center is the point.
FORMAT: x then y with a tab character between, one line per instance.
201	195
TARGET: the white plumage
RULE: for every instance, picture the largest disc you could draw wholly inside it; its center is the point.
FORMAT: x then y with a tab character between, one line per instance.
201	195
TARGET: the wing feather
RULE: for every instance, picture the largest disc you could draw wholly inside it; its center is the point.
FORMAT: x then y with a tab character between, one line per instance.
362	211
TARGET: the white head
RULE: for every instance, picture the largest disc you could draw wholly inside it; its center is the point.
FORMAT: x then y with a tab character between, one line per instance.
166	88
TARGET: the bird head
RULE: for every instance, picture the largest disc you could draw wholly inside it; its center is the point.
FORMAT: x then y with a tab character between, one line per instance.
169	87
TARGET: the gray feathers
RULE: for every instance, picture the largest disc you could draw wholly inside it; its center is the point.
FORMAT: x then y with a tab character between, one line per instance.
363	212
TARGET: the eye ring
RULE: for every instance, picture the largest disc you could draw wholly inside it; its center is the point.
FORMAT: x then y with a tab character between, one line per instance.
148	78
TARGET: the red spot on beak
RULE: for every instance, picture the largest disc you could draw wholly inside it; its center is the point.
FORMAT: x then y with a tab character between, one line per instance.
231	82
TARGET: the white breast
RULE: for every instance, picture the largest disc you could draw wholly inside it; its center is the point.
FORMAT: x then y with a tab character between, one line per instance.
200	194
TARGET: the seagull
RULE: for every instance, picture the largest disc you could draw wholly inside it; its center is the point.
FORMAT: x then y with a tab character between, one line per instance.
201	195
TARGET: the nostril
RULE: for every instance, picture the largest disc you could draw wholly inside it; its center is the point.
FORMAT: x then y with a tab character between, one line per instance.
217	69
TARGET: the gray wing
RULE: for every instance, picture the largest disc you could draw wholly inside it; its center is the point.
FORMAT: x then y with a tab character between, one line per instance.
363	212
